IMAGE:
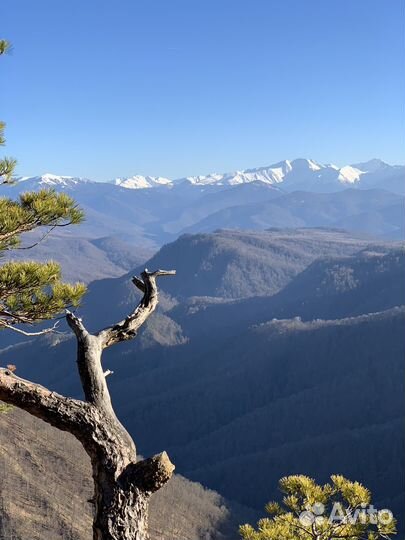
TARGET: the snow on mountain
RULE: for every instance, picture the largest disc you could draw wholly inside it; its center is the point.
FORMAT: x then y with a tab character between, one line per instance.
273	174
349	174
298	174
142	182
51	180
213	178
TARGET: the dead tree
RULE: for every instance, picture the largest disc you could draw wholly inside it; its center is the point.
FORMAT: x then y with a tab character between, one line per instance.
122	484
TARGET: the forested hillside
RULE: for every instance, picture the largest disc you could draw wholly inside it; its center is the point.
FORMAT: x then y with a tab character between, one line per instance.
46	490
242	389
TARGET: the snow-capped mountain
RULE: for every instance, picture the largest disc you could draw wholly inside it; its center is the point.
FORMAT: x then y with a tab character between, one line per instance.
303	174
285	173
51	181
142	182
298	174
273	174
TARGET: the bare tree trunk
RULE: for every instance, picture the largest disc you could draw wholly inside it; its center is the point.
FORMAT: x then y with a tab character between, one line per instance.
120	514
122	485
122	505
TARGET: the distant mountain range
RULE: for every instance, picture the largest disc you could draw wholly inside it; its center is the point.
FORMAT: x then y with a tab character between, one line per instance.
148	212
303	174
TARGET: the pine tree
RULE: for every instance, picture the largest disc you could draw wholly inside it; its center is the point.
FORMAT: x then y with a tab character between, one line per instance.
32	292
340	509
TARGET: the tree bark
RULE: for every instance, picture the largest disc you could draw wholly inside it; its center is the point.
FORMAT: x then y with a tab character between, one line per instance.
122	485
122	504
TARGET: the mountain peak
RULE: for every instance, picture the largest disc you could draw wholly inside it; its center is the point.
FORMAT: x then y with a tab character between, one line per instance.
53	180
372	165
302	163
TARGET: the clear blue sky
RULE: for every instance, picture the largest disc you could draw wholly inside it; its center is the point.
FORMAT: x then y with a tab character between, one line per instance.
103	88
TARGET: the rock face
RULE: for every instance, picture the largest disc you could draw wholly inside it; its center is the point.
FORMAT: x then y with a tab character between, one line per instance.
46	489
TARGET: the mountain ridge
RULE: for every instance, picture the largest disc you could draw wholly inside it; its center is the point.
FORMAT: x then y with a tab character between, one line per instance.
288	173
365	198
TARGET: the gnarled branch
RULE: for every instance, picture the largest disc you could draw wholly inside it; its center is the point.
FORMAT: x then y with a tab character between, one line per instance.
59	411
92	375
127	329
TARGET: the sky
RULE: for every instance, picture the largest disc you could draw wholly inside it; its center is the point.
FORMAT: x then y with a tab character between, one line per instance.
103	89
